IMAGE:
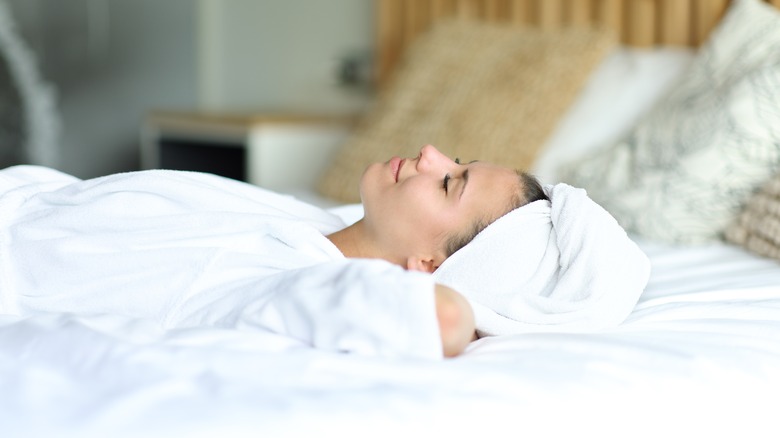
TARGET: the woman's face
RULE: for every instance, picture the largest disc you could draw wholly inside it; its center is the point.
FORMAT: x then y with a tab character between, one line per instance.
412	206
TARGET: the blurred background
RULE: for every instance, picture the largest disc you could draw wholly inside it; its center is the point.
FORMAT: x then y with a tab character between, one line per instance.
111	62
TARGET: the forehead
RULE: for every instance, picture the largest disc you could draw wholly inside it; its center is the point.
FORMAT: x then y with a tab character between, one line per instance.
493	175
490	187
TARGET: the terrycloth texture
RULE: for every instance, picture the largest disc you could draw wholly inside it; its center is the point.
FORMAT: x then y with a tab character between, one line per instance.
184	249
549	266
476	91
758	226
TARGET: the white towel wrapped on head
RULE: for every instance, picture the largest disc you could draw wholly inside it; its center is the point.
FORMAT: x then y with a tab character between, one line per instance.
559	265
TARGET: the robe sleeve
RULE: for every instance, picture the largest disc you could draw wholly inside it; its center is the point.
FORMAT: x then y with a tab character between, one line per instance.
367	307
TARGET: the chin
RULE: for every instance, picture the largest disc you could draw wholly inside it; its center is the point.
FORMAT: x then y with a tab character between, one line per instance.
373	185
365	181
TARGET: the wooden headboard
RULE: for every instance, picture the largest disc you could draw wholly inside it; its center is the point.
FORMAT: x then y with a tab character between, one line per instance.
639	22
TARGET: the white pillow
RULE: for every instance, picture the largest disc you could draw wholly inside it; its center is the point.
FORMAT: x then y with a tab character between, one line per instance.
625	86
684	172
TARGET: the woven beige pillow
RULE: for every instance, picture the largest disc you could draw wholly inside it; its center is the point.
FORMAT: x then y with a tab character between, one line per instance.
758	226
475	91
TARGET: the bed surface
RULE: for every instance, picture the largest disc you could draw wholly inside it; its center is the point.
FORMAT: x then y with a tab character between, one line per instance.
702	346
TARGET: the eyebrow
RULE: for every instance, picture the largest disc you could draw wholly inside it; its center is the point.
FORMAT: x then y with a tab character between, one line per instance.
465	181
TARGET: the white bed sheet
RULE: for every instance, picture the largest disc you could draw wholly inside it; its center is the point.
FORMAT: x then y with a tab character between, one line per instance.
700	354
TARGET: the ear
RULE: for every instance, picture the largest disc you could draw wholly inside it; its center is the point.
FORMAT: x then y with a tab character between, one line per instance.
422	264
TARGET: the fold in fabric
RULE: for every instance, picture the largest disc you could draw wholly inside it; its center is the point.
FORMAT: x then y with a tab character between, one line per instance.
187	249
559	265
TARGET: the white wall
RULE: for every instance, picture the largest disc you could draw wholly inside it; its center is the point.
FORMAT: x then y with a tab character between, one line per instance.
111	60
114	60
281	54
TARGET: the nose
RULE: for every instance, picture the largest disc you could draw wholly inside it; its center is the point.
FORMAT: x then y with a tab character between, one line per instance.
431	158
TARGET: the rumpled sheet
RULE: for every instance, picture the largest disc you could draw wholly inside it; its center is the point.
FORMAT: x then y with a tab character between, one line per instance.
189	250
699	356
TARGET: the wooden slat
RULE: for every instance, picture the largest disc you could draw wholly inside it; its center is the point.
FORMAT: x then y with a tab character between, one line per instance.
640	23
415	15
468	9
549	14
389	37
495	10
578	12
706	14
409	18
674	20
520	11
442	9
609	13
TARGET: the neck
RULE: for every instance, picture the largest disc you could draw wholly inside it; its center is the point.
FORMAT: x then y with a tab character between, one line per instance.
355	242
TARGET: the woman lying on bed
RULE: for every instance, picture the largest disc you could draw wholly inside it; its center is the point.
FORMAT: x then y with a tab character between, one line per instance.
420	211
191	249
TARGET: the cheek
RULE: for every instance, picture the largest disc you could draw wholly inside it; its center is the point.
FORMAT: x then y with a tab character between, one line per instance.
428	212
419	199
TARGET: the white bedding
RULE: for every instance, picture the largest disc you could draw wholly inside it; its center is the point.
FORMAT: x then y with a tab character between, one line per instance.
188	249
699	356
702	347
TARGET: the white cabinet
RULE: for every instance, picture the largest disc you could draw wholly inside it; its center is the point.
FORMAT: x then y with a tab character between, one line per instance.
278	152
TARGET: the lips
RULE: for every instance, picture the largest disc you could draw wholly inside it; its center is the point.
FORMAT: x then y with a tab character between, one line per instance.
395	166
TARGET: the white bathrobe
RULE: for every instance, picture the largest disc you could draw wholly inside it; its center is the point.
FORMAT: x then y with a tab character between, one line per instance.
189	249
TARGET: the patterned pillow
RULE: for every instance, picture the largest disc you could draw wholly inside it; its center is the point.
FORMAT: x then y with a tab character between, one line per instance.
476	91
758	226
684	172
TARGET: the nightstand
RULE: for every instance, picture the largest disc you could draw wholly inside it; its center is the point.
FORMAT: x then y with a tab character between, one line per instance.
277	152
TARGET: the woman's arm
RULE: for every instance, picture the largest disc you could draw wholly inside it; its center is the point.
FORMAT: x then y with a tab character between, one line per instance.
363	306
456	320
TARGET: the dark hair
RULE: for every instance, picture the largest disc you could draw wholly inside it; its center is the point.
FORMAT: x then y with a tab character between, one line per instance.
528	190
